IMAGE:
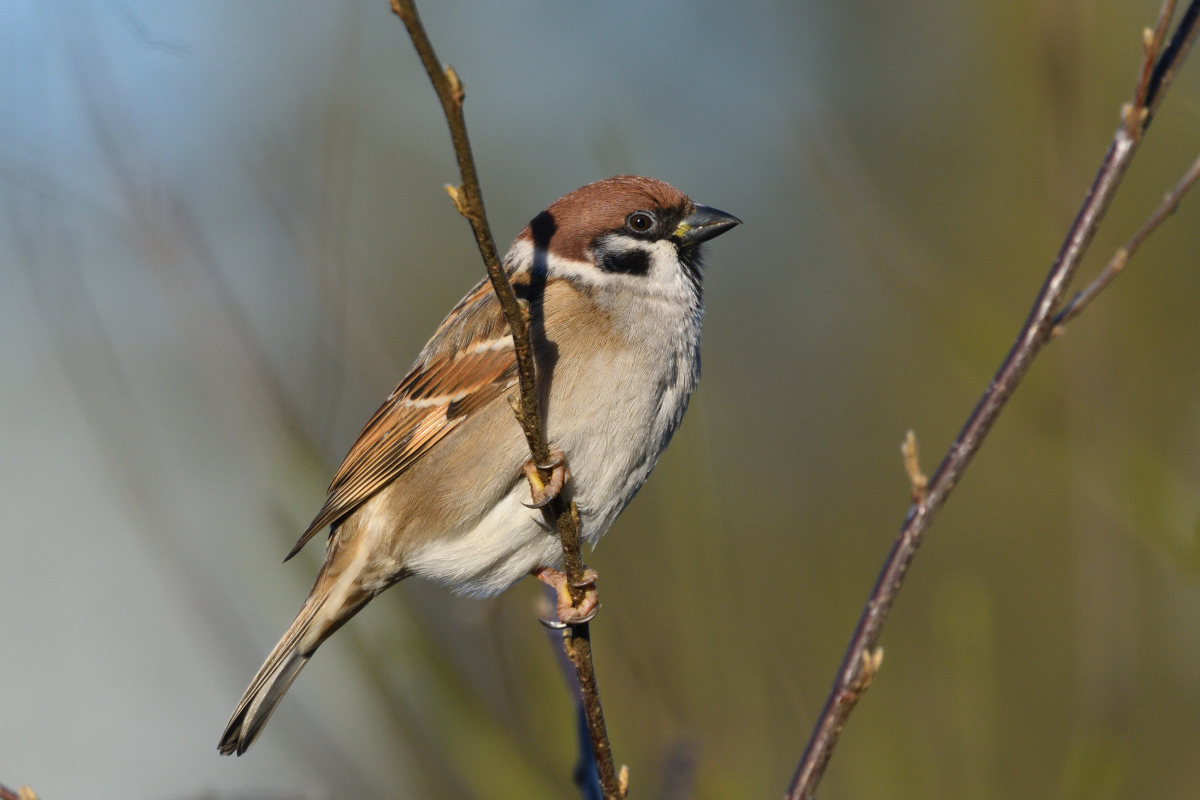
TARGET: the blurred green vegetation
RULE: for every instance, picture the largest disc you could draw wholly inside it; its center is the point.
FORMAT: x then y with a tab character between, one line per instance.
227	231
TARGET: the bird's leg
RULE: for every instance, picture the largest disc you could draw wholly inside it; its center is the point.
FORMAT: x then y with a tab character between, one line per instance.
543	493
568	612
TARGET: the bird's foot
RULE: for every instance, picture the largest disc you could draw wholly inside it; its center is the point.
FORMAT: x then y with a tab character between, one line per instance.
541	492
570	612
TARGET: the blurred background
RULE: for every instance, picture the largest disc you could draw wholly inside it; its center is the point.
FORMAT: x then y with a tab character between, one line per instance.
223	239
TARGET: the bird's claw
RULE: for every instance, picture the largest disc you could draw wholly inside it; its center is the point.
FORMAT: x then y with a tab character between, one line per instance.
543	493
570	613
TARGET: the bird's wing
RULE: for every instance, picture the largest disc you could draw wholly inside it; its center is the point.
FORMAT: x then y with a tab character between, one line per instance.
468	363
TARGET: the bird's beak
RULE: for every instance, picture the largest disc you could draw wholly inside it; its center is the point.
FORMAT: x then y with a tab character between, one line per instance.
704	223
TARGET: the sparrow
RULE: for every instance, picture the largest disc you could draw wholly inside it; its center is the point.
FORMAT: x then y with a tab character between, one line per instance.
435	485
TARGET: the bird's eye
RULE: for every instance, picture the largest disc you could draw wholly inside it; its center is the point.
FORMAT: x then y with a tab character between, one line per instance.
640	221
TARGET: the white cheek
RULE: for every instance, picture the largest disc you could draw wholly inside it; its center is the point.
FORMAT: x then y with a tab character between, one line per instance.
664	260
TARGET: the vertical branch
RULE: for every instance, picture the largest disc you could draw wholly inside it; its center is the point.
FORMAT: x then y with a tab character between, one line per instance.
862	655
468	199
586	774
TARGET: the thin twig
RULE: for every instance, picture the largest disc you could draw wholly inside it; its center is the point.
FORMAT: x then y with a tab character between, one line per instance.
468	199
1081	300
1151	45
1172	58
585	774
858	665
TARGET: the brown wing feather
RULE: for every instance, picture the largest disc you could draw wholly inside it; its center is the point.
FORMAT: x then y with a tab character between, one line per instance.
467	364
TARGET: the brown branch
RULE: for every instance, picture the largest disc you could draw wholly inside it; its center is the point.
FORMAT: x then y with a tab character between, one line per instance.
1172	58
859	664
585	774
1082	299
1151	44
468	199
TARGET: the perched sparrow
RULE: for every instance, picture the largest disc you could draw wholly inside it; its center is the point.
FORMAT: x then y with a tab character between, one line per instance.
435	485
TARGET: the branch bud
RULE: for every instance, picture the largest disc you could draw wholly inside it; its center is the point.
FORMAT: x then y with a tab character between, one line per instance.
868	665
459	198
912	465
1120	259
1134	118
456	85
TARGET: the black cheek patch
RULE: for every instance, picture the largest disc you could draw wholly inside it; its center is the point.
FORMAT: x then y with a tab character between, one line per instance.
635	261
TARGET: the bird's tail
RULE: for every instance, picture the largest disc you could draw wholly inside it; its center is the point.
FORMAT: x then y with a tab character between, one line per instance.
311	627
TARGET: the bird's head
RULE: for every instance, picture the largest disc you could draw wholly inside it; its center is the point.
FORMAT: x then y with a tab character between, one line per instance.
626	232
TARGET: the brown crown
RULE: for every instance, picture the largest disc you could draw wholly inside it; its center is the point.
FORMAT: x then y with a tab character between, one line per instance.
568	227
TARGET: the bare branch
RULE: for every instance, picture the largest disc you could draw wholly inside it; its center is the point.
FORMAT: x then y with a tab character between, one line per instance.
585	774
1122	256
468	199
854	675
1171	59
1151	44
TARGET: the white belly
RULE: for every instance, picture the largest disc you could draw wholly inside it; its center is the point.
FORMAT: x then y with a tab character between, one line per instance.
506	545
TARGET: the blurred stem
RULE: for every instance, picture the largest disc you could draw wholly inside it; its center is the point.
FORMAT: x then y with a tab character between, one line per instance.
862	656
468	199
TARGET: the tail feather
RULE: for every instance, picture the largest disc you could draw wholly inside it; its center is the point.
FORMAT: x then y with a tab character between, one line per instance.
272	681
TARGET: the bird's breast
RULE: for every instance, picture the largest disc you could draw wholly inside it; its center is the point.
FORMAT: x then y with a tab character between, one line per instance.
613	406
